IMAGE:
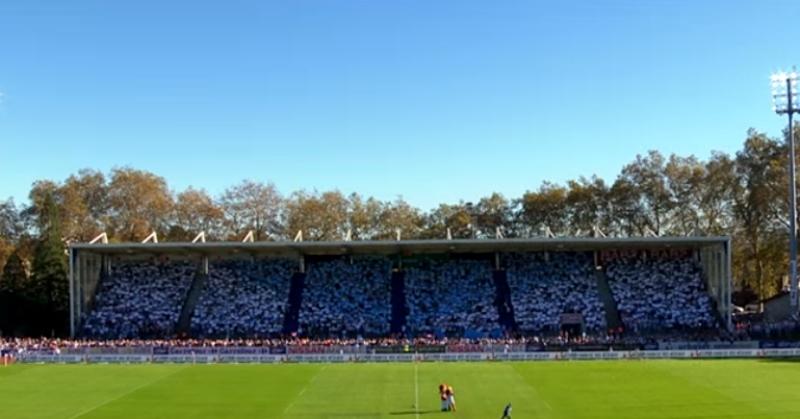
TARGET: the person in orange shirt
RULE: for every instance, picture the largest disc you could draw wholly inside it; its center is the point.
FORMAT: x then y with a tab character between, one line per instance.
443	396
451	398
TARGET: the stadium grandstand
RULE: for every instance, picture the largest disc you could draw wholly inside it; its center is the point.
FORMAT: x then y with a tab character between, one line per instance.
487	288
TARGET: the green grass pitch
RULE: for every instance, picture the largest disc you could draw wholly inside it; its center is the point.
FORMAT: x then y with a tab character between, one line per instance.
753	389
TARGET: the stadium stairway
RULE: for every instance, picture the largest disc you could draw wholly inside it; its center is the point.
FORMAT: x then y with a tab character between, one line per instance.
613	319
502	300
399	309
93	295
189	303
291	319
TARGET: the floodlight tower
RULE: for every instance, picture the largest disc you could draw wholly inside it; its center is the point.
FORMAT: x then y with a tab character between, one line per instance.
784	101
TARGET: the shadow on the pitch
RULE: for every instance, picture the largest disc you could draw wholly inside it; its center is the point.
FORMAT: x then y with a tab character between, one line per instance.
344	415
780	360
413	412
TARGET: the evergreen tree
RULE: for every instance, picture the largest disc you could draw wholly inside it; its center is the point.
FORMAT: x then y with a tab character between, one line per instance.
50	290
13	284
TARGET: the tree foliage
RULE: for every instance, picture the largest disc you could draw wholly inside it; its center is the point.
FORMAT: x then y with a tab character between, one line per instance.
49	290
252	206
196	211
14	287
742	195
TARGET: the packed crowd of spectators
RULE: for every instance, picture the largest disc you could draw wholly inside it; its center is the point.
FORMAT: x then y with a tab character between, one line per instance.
243	298
760	328
351	296
347	296
659	293
300	345
139	299
545	286
451	297
295	344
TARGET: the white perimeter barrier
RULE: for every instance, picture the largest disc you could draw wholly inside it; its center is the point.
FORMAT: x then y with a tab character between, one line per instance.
408	357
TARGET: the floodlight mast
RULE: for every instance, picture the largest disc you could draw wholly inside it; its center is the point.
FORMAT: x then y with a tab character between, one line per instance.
784	97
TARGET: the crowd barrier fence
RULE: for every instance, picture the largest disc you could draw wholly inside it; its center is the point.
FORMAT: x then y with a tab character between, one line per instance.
267	358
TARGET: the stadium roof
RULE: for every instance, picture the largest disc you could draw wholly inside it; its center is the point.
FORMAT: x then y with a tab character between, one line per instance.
313	248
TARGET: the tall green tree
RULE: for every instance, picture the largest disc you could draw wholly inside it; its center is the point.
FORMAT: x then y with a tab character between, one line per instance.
139	203
13	296
459	218
716	201
363	218
587	204
196	211
648	176
84	205
626	210
494	212
685	177
50	291
320	216
758	200
400	215
544	208
82	200
253	206
11	228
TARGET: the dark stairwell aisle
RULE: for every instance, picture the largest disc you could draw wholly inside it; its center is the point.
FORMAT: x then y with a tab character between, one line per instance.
184	325
398	300
291	319
502	301
613	320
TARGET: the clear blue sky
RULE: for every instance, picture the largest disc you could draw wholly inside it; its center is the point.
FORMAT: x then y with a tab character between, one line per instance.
433	100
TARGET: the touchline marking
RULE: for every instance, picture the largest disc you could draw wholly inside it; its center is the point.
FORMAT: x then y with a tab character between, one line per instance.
291	405
305	387
533	389
131	391
416	388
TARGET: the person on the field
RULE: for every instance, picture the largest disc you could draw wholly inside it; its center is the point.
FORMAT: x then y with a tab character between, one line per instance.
443	397
451	398
507	412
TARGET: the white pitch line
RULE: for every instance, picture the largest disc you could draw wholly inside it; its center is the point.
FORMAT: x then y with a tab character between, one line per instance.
131	391
291	405
303	391
416	389
297	397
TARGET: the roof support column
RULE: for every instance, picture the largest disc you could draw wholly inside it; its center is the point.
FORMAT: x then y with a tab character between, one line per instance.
71	293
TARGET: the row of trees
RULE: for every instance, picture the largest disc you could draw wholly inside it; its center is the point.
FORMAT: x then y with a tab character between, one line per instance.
34	295
742	195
